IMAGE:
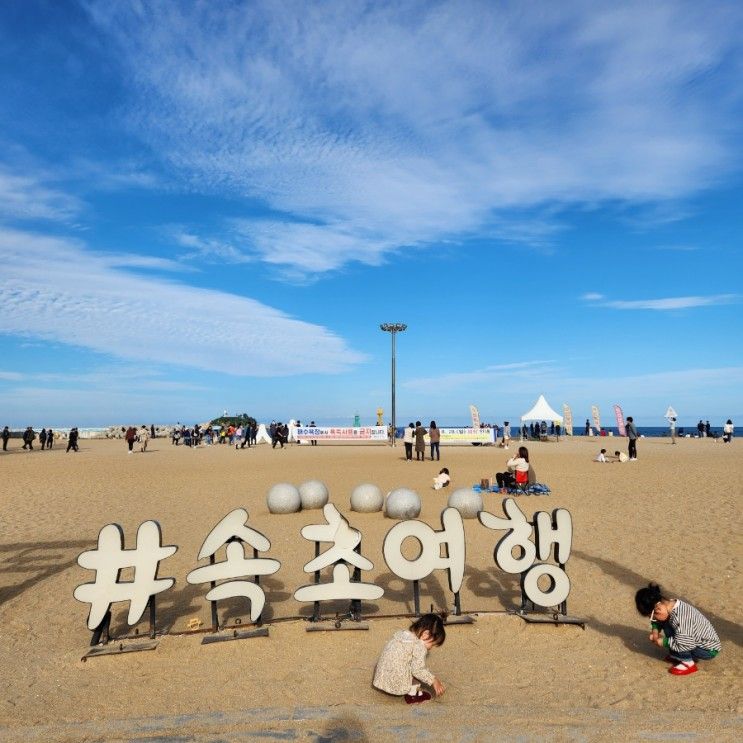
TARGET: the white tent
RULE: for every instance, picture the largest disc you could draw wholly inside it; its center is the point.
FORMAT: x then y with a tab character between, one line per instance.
542	412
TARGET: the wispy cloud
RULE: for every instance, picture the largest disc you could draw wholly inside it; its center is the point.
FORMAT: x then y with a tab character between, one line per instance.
57	290
28	196
665	304
377	126
209	248
528	373
592	297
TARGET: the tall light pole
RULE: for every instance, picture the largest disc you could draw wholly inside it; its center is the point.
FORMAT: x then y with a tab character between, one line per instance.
393	328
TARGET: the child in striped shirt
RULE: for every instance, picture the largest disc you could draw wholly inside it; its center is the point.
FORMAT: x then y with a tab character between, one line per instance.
686	632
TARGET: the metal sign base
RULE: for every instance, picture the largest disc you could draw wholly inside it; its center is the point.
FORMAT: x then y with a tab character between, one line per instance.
335	625
549	618
459	619
235	635
118	648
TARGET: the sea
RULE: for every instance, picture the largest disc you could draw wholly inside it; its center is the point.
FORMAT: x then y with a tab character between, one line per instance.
647	431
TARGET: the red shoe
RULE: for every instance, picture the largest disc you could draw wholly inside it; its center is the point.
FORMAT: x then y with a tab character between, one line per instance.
421	696
684	670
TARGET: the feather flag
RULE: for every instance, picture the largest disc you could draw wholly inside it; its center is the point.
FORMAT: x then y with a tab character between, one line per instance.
567	419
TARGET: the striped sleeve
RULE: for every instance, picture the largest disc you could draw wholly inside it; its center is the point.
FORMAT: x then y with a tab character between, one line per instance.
691	630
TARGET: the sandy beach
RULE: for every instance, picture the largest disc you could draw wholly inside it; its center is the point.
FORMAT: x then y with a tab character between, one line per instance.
672	516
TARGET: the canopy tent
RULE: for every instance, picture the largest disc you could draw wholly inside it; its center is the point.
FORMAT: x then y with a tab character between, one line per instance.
542	412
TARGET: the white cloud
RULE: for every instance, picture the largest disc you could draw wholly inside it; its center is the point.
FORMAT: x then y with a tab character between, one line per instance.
525	374
377	126
209	248
670	303
24	197
54	289
592	297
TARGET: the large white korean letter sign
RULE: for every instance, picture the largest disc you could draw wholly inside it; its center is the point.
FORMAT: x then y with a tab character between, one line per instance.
108	561
342	554
233	531
429	559
557	530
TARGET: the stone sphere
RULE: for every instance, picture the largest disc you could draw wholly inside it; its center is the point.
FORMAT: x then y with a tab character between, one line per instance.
467	502
403	503
313	494
283	498
367	498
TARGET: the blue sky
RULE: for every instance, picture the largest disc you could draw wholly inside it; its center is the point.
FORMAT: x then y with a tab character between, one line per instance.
209	206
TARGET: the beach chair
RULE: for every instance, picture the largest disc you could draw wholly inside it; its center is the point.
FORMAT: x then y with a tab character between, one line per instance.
522	482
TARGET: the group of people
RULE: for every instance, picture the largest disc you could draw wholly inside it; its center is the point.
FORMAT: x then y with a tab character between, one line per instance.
415	434
46	438
141	435
676	627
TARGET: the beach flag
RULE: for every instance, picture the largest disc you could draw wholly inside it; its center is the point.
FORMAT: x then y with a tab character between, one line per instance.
620	420
475	413
596	418
567	419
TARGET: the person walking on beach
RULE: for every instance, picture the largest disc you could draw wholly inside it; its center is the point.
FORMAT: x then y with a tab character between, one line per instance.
707	429
72	438
506	434
402	664
434	437
42	439
420	442
131	437
6	436
144	437
49	439
588	427
408	437
727	431
632	439
28	438
678	627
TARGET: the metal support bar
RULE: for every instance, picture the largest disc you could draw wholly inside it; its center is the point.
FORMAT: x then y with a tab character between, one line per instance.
152	617
259	620
355	608
316	604
215	617
416	598
102	630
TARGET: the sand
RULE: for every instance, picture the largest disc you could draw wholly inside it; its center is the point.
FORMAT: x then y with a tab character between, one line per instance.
672	516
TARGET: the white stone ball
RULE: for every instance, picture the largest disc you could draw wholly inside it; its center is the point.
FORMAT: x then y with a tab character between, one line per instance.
313	494
283	498
467	502
403	503
367	498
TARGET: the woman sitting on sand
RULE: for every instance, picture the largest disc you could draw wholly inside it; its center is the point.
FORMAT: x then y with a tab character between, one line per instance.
519	471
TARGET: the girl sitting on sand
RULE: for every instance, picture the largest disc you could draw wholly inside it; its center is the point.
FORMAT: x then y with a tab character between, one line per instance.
601	456
689	636
518	471
403	660
442	480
